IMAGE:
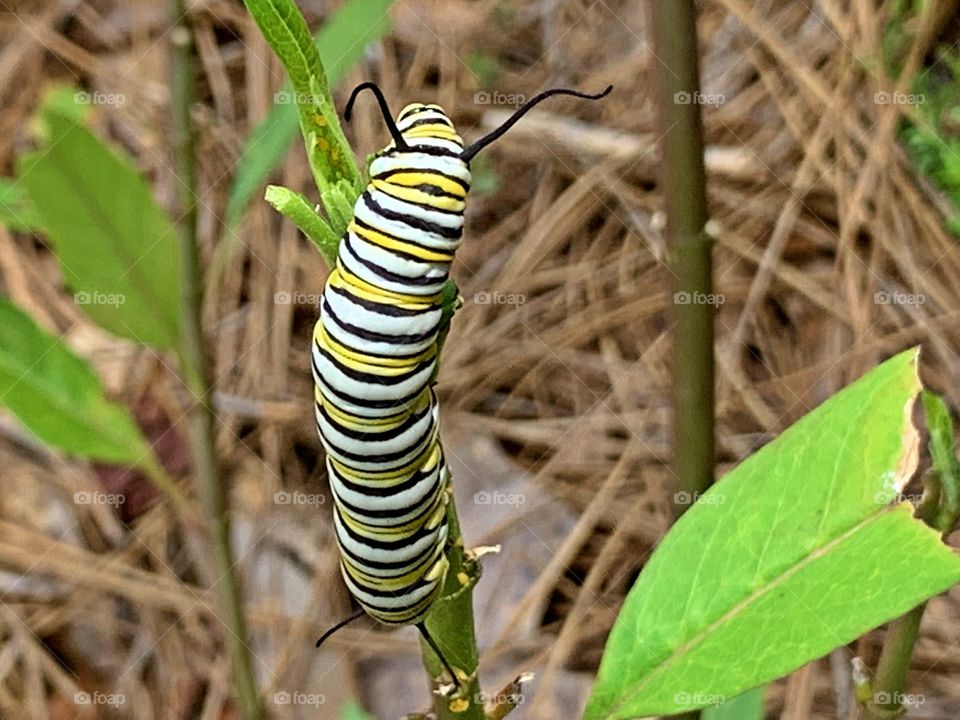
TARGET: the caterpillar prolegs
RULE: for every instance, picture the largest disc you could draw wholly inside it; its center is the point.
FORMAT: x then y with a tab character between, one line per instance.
374	358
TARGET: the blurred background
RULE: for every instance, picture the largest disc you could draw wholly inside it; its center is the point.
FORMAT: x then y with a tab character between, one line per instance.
833	159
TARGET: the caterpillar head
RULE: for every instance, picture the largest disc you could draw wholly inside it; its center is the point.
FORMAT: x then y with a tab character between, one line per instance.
420	126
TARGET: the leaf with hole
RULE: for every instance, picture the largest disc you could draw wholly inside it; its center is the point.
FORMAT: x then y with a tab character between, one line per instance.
795	552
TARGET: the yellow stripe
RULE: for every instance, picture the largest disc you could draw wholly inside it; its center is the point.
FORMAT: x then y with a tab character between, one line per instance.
383	479
323	339
420	197
412	178
433	130
355	422
350	279
366	291
385	241
399	532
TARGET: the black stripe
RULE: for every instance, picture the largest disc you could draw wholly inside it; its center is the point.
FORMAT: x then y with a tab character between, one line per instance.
408	356
373	435
399	544
359	402
386	381
415	203
427	504
442	120
410	241
411	221
394	570
386	490
374	336
382	308
346	249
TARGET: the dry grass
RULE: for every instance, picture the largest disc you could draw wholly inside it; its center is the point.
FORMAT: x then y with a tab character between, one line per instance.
561	400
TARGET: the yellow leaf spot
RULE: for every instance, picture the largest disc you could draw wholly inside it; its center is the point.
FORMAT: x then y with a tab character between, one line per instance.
463	578
323	144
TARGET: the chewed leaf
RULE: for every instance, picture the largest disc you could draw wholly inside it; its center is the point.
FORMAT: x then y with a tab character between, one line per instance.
796	551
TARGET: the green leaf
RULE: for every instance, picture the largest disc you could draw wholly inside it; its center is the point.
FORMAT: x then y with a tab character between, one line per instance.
795	552
944	455
58	397
16	210
339	45
748	706
296	207
118	250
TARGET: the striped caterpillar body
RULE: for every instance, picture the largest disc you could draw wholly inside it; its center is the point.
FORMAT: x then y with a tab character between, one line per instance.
374	357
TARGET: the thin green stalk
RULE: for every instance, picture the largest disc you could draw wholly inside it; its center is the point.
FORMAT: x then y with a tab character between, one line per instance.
450	623
683	188
195	372
888	688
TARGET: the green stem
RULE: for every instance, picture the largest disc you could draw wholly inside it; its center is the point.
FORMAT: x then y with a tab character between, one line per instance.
683	187
195	372
893	665
451	625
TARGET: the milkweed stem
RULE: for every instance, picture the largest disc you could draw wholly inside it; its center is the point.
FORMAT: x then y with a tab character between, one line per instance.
195	373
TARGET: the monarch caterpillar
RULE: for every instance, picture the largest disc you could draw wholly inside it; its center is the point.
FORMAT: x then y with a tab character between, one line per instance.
374	356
